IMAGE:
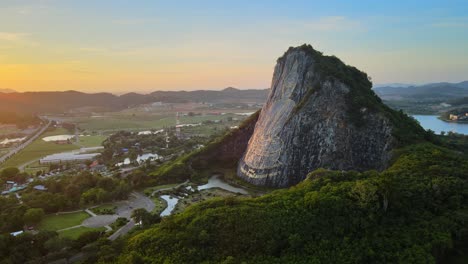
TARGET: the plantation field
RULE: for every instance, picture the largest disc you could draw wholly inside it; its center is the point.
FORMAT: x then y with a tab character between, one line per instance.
91	141
54	222
38	149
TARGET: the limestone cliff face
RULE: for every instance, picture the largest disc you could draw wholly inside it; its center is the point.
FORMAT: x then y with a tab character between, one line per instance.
307	123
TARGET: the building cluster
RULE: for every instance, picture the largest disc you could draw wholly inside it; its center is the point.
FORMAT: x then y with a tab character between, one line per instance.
459	117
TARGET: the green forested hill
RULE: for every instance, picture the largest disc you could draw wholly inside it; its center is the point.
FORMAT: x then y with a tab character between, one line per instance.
414	212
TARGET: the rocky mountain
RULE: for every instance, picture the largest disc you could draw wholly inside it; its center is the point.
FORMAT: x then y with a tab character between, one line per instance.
320	113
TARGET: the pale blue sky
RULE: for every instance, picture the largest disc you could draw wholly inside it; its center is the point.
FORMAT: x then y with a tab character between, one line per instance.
171	45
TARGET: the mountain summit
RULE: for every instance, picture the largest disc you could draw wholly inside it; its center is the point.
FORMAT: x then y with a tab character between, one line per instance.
320	113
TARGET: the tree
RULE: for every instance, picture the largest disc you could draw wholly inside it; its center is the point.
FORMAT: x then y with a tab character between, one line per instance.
144	217
33	216
9	173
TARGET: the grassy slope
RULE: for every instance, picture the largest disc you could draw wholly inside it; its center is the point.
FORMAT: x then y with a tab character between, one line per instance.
54	222
74	233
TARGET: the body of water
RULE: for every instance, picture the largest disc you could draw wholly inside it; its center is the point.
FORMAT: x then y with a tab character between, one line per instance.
216	182
433	123
11	140
58	138
171	203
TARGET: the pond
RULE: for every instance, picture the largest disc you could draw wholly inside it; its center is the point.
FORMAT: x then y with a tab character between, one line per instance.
11	140
217	182
433	123
58	138
171	203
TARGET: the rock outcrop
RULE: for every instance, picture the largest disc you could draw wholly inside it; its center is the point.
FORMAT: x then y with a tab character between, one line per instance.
320	113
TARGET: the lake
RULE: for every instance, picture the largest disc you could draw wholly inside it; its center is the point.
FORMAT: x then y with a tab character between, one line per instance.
11	140
433	123
58	138
171	203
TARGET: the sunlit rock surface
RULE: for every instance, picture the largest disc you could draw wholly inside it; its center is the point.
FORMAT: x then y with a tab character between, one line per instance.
305	125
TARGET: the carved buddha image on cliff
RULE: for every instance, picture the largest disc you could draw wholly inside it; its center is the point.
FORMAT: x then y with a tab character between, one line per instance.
266	146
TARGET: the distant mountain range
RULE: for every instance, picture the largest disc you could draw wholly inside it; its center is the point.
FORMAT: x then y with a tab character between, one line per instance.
53	102
6	90
431	91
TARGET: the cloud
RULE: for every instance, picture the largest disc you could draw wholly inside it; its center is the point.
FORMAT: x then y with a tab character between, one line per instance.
12	36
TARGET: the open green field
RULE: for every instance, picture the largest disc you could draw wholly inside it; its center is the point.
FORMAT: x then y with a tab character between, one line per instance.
91	141
120	121
74	233
159	205
39	148
54	222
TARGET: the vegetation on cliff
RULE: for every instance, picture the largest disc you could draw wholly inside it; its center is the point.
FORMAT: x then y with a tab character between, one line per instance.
361	96
413	212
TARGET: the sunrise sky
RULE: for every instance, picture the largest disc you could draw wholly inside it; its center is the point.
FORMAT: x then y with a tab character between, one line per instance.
122	46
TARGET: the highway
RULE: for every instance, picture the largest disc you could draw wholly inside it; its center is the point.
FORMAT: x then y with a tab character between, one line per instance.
24	144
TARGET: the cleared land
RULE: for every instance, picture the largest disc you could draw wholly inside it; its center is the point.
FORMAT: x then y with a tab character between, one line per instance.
54	222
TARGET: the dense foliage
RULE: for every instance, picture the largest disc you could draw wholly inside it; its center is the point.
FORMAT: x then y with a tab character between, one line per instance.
413	212
68	192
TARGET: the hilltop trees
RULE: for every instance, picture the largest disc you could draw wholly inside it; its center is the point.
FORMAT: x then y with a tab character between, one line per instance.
413	212
33	216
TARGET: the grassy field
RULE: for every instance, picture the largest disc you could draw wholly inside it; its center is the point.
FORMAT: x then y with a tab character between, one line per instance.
119	121
74	233
39	148
54	222
199	197
159	205
91	141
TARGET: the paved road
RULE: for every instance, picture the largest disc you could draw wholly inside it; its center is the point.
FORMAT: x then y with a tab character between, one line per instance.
138	201
123	230
25	144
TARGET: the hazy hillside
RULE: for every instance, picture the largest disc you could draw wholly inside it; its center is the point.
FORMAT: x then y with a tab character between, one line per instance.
40	102
432	91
